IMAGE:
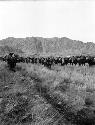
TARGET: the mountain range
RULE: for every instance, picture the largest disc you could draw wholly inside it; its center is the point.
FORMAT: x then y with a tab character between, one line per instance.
46	46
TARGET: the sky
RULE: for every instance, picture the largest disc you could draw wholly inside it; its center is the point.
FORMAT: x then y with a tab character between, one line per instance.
71	19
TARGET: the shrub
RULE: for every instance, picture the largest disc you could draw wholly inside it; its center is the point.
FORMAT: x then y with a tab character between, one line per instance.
88	101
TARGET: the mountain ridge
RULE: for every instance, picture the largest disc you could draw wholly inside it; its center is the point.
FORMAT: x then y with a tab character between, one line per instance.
54	45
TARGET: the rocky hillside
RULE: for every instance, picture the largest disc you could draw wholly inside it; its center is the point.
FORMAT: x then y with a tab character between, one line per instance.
39	45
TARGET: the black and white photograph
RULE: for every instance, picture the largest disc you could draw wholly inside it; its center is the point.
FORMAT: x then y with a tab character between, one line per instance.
47	62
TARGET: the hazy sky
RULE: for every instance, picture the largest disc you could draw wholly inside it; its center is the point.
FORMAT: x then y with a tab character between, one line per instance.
75	19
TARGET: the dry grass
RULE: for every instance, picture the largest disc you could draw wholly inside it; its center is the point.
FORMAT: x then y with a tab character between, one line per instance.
68	91
34	95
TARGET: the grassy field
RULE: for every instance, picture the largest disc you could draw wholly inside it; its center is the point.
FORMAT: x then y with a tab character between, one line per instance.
34	95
